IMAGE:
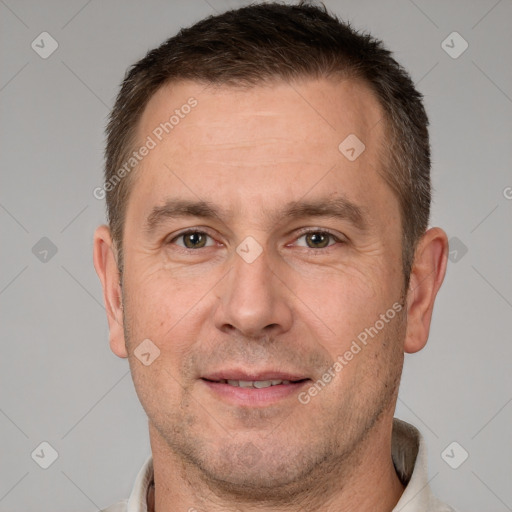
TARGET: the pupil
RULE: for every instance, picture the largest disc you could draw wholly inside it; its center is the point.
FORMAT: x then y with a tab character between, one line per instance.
318	238
193	240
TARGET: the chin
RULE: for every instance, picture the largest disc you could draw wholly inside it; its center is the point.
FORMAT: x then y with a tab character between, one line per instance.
269	474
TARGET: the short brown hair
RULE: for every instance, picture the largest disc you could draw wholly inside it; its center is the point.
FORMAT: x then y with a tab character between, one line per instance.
263	42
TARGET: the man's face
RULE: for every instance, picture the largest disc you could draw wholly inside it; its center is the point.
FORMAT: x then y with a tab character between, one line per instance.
217	312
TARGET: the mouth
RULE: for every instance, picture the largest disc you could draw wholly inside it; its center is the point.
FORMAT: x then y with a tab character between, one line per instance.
256	384
260	389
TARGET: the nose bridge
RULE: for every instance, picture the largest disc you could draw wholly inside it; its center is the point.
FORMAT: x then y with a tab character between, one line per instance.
252	298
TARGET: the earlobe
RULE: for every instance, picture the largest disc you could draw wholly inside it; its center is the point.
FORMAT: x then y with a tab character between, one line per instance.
106	267
427	275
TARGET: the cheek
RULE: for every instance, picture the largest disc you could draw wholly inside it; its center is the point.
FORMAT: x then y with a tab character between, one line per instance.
168	310
157	292
345	297
345	306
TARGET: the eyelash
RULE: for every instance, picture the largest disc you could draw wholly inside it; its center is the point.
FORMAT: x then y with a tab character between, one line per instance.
300	235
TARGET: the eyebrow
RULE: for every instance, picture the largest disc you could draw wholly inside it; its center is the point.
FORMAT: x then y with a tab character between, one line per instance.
338	207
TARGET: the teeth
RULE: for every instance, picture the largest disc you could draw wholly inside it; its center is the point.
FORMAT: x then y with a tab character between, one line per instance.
258	384
262	383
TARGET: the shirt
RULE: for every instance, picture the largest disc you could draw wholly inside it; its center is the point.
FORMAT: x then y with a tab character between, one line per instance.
408	451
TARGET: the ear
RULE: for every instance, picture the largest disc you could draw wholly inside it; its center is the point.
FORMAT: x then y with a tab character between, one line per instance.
105	263
427	274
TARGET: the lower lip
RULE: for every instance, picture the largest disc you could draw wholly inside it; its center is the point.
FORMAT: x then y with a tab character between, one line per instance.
255	396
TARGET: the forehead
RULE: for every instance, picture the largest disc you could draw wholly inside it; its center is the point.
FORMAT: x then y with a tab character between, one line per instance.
231	144
317	111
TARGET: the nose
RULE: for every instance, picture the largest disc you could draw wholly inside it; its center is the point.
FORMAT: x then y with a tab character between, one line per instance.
254	299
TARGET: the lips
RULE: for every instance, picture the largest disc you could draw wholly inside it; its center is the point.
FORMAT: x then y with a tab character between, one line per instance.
264	388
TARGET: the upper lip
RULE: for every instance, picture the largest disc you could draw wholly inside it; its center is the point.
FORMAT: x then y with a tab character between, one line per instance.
253	375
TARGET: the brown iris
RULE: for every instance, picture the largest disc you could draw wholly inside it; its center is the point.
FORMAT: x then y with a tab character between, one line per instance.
319	240
194	240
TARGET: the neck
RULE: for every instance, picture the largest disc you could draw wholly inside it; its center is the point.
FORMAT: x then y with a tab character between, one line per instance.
181	487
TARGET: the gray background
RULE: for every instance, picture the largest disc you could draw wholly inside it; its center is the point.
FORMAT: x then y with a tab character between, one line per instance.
59	381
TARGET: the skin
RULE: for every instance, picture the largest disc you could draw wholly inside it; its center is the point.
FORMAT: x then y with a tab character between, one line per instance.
296	307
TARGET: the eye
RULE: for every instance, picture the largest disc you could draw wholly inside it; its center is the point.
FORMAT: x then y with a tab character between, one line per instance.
313	239
192	239
318	239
